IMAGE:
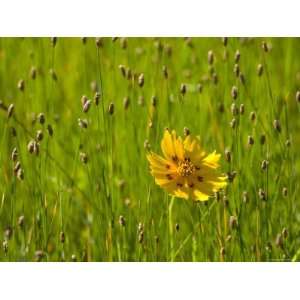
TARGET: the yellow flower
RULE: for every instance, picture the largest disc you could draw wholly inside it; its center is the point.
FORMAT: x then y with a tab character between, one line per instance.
186	171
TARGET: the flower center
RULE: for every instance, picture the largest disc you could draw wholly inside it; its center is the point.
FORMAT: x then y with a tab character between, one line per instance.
185	168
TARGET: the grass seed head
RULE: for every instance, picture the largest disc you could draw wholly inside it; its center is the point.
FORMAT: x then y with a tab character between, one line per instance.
73	258
126	102
245	197
128	74
84	99
260	70
165	72
39	254
236	70
97	98
183	89
50	130
21	220
5	246
20	174
298	96
39	135
86	106
53	41
228	155
17	167
284	192
233	222
33	73
122	68
225	201
122	221
36	148
8	232
83	157
234	92
99	42
199	88
30	147
62	237
123	43
53	74
277	126
10	110
264	46
186	131
264	165
288	143
111	108
233	123
234	109
215	78
252	116
14	154
141	237
210	57
242	78
285	233
154	101
225	41
262	194
242	109
41	118
141	80
237	56
147	145
21	85
250	140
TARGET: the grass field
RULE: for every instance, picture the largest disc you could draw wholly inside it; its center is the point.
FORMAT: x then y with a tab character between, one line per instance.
75	183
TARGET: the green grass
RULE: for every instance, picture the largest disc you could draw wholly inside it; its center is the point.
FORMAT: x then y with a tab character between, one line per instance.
60	193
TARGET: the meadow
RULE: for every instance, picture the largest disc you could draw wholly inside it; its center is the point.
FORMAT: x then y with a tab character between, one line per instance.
79	115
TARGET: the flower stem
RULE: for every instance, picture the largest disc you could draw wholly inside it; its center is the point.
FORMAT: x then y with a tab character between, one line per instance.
170	208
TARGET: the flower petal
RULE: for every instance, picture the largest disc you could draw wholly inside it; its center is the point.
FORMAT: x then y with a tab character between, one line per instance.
167	145
212	160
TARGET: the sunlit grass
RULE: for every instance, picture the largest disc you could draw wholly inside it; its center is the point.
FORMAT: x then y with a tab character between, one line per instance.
82	189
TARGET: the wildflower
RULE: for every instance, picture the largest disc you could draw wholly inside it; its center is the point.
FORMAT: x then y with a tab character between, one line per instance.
186	171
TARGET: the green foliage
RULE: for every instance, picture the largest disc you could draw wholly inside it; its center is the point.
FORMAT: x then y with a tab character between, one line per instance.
88	192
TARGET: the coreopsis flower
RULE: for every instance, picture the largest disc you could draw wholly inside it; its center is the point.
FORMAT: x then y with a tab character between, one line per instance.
186	171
